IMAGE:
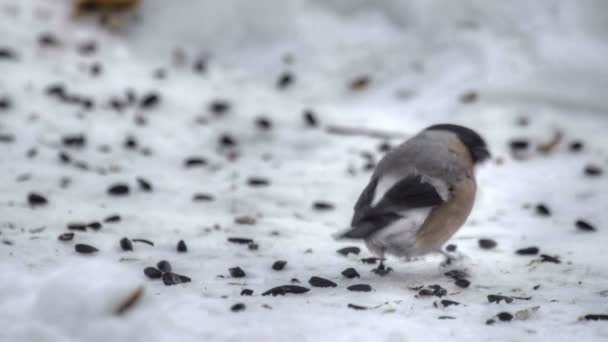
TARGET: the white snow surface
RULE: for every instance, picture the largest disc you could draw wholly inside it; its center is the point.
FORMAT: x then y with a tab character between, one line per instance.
541	60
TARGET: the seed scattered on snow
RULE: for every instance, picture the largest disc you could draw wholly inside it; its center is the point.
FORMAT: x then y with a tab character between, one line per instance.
200	197
236	272
258	181
382	271
36	200
451	248
349	250
357	307
246	292
310	118
487	243
174	279
284	289
263	123
148	242
542	210
66	237
126	244
527	251
219	107
152	272
370	260
239	240
285	80
469	97
94	225
498	298
321	282
359	288
505	316
181	246
350	273
584	226
237	307
595	317
549	258
245	220
119	189
323	206
149	100
446	317
144	185
576	146
112	219
194	162
76	140
253	246
593	170
432	290
519	144
360	82
85	249
164	266
77	226
456	274
463	283
227	140
279	265
446	303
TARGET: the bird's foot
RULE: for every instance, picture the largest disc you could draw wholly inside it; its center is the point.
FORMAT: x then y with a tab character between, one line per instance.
382	270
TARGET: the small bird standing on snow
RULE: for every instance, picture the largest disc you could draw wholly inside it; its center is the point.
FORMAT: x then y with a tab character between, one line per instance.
420	193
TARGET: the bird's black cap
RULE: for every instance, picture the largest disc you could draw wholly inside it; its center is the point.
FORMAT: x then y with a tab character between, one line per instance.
473	141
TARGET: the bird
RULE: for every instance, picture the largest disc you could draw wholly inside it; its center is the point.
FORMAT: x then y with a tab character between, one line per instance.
420	193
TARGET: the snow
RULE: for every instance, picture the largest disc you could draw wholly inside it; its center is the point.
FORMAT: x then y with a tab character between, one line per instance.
541	60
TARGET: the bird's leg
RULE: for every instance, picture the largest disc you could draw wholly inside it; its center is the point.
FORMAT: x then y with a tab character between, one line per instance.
448	258
382	270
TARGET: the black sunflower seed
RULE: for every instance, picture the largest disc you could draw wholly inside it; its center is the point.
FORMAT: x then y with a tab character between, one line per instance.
487	243
85	249
284	289
119	189
195	161
446	302
542	210
527	251
258	181
181	246
310	118
498	298
144	185
350	273
152	273
593	170
263	123
66	237
285	80
77	226
322	206
200	197
321	282
112	219
359	288
94	225
595	317
126	244
349	250
246	292
219	107
451	248
237	307
173	279
279	265
242	241
36	199
505	316
576	145
357	307
463	283
149	100
549	258
584	226
236	272
164	266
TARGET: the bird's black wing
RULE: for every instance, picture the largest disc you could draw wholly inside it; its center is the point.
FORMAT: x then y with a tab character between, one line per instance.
411	192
